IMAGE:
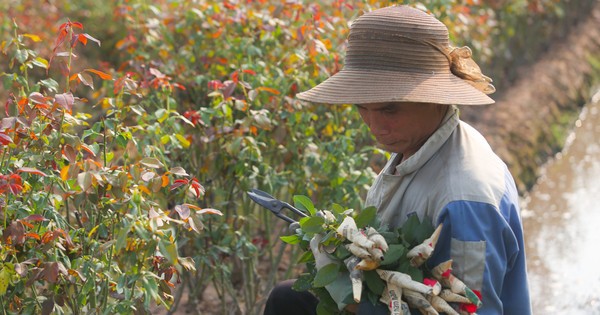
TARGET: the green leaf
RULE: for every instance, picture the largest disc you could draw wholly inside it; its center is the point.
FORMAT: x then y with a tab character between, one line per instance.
121	141
291	239
366	217
414	231
324	309
306	257
304	203
161	114
169	250
373	281
303	283
150	287
390	237
337	209
40	62
21	55
50	84
415	273
341	253
326	275
393	254
312	225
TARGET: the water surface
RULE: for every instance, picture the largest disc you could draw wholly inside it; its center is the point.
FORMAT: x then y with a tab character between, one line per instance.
561	218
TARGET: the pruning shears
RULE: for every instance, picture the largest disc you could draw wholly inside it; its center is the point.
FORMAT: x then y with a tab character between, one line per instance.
274	205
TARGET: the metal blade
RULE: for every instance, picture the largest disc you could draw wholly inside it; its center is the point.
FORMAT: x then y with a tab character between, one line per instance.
265	200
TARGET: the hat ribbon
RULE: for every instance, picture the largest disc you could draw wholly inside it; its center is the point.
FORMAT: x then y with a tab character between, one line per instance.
463	66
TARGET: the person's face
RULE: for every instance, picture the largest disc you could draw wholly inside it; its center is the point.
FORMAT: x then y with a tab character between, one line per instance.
402	127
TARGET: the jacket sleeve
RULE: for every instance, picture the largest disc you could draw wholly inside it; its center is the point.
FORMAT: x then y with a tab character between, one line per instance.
486	246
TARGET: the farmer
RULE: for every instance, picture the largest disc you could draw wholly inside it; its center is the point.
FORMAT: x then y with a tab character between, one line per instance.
406	80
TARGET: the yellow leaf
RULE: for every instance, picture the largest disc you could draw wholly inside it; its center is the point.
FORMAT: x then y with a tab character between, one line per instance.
93	230
184	142
64	173
328	130
4	280
33	37
144	189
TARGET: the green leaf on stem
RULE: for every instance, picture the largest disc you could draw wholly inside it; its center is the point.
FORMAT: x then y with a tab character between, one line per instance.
306	257
374	282
169	250
414	231
366	217
312	225
303	282
326	275
291	239
304	203
393	254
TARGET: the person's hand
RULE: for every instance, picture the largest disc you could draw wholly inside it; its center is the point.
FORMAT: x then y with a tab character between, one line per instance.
352	308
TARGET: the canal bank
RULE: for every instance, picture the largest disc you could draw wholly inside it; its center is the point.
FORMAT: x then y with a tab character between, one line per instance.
530	120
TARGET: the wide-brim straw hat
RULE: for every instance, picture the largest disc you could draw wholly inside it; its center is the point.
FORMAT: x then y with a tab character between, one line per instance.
397	54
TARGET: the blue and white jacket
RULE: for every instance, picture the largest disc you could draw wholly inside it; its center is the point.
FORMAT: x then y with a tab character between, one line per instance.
455	179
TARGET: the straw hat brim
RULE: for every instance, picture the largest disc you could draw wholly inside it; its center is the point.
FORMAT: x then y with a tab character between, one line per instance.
380	86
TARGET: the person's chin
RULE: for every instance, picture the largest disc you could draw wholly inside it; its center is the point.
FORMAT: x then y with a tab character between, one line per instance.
388	147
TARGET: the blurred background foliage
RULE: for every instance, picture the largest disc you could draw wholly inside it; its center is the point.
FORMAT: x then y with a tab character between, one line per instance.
209	86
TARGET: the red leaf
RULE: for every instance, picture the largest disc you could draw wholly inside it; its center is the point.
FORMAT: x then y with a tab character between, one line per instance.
5	139
215	84
178	183
102	75
228	88
31	171
11	99
65	100
37	98
77	25
21	104
33	235
179	86
268	89
82	39
50	272
35	218
14	233
198	188
15	188
88	150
